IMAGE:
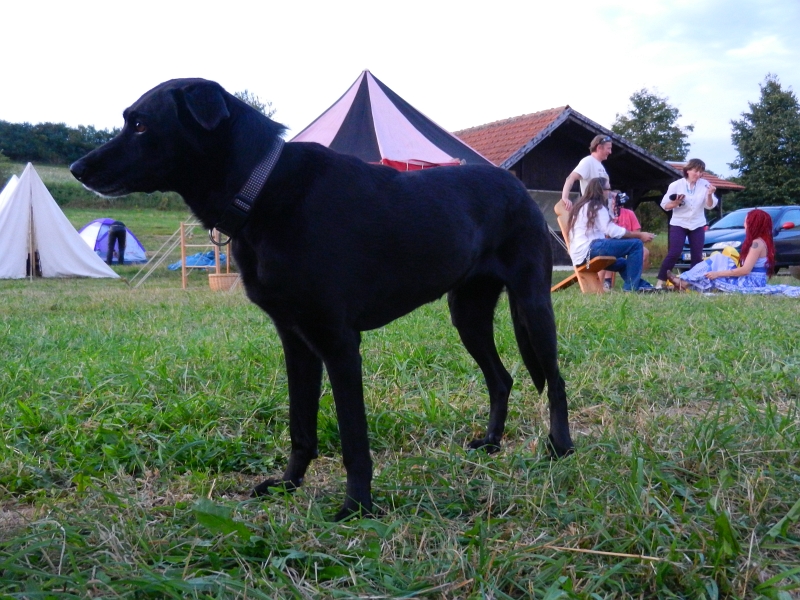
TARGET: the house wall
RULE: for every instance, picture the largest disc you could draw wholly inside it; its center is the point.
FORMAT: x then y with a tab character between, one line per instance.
547	165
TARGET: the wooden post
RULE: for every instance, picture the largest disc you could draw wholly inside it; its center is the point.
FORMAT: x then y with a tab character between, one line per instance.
183	256
216	252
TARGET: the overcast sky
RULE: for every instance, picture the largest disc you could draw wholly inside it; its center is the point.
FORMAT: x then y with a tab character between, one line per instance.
460	63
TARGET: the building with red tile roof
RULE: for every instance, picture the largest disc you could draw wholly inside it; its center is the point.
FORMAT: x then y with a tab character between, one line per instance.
559	138
543	148
502	140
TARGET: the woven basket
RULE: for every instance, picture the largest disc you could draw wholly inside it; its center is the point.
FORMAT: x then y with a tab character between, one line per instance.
222	282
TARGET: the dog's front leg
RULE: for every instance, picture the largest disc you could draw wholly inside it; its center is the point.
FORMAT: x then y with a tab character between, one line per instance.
304	372
343	361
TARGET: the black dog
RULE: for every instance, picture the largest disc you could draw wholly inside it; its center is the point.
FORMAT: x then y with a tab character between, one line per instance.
330	246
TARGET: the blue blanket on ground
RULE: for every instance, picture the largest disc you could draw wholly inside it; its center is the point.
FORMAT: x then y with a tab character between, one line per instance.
201	259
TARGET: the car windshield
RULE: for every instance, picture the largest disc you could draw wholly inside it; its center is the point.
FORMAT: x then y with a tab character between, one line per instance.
735	220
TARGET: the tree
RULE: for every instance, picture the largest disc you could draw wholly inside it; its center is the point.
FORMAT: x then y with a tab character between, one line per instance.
52	143
767	140
651	123
7	169
265	108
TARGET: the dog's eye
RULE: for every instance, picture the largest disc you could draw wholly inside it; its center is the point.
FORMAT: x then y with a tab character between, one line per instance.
139	127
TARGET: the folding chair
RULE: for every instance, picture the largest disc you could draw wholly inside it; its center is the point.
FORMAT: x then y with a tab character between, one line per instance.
585	275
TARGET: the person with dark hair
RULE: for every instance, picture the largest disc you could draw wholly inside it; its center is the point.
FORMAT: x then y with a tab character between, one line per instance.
589	225
688	199
624	217
117	235
590	167
719	271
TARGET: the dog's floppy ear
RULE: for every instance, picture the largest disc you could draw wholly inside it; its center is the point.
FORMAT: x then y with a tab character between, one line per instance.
206	104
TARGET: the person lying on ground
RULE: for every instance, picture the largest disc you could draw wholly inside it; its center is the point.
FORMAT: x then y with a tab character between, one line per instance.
719	272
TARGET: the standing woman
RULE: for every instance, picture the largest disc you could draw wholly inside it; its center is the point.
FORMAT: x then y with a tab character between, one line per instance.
688	199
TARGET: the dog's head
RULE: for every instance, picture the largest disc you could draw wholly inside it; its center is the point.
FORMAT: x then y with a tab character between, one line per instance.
173	136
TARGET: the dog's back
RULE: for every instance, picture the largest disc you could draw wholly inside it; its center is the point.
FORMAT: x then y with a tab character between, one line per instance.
383	242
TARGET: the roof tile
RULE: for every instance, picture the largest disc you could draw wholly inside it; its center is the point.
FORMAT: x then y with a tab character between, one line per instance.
717	182
499	140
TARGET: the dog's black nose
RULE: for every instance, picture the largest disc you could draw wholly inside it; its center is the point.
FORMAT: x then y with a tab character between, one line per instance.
78	169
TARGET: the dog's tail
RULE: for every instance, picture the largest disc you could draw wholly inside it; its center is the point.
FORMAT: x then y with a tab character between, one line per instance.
531	333
535	328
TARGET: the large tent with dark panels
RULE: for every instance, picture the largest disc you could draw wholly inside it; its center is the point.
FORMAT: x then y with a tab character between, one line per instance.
373	123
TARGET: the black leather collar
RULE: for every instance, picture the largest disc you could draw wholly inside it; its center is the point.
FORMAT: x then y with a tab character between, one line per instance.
238	211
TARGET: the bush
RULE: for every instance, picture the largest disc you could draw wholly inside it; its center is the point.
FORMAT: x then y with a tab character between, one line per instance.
7	169
652	217
77	196
66	191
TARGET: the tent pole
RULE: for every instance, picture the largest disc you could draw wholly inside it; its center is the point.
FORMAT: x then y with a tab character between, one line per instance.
31	255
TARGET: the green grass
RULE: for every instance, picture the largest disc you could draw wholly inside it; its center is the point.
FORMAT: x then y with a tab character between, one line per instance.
133	424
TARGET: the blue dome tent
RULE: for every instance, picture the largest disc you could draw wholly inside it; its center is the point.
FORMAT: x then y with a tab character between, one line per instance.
95	234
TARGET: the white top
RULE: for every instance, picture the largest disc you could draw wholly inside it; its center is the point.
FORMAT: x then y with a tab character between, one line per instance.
692	214
580	237
589	168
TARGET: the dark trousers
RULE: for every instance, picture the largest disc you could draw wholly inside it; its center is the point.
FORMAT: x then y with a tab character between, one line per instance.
677	235
116	236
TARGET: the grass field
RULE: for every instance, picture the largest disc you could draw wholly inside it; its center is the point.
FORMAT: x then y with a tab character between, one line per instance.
135	422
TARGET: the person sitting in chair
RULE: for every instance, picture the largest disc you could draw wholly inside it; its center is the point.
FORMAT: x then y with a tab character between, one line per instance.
588	226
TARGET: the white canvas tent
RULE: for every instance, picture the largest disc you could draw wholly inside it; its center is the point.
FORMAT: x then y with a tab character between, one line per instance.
31	222
6	193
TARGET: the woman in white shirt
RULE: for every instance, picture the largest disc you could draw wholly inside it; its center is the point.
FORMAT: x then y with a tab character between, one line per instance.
688	199
593	233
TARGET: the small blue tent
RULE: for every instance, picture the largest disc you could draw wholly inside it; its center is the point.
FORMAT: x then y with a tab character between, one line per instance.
95	233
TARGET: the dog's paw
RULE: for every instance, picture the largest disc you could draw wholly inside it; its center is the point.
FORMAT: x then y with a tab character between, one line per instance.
557	451
488	445
275	486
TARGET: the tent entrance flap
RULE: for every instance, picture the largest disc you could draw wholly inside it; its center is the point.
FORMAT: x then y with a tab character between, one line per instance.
32	262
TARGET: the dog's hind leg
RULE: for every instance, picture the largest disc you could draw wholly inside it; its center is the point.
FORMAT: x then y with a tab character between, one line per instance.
304	372
472	312
535	330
